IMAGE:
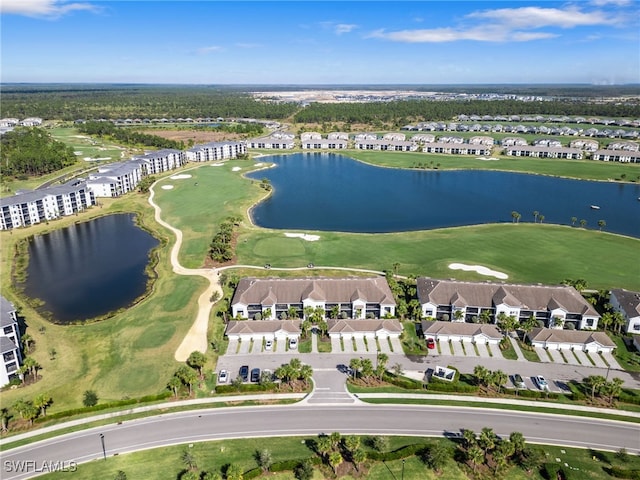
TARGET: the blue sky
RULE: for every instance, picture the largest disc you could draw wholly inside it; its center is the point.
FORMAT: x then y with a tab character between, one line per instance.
307	42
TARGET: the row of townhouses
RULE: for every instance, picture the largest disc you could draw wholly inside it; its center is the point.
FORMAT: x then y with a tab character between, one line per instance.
478	145
9	342
110	180
454	310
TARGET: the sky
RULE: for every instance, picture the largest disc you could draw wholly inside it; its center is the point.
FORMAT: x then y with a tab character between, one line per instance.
320	43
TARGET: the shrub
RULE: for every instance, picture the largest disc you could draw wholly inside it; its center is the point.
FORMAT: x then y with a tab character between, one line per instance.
620	472
402	382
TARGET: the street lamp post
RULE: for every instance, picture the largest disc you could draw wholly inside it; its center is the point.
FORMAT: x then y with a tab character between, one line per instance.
403	469
104	450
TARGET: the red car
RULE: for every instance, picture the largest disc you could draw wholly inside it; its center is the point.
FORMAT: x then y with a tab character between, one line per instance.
431	343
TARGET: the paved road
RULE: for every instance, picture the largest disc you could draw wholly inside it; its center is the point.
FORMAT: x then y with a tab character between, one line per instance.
247	422
551	371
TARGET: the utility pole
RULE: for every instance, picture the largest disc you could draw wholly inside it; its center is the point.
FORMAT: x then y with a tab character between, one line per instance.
104	450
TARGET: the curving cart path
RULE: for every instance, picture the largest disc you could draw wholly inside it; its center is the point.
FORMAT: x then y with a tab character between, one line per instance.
196	338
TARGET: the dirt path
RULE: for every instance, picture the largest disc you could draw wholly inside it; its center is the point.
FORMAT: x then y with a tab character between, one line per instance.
196	338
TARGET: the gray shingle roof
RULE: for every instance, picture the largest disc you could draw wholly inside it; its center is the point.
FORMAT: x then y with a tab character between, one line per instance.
262	326
6	307
6	345
460	328
486	294
629	301
253	290
552	335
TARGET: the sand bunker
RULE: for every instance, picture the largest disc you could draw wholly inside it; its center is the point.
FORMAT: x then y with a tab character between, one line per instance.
90	159
303	236
180	177
487	159
167	187
479	269
236	169
77	153
259	164
217	164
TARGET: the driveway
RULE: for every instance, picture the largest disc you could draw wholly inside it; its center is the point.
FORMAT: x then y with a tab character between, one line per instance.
360	345
482	350
456	345
445	348
556	356
232	348
245	345
613	363
384	345
336	345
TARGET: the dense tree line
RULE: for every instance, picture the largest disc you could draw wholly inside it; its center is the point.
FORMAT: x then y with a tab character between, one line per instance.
128	136
32	151
407	111
139	101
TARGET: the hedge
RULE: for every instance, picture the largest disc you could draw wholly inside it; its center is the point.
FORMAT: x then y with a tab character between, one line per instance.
620	472
437	385
402	382
629	396
250	387
104	406
403	452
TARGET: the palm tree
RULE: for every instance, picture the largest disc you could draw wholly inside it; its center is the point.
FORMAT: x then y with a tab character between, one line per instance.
174	384
234	472
323	445
602	224
189	460
535	216
358	456
583	223
613	389
606	319
187	375
355	365
476	456
482	374
574	220
306	372
485	316
498	378
4	419
541	218
487	439
42	401
197	360
335	459
469	438
515	216
595	382
308	312
396	268
518	442
351	443
27	341
618	321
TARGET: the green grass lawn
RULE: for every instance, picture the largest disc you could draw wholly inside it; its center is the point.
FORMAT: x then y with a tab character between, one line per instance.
626	355
582	169
167	463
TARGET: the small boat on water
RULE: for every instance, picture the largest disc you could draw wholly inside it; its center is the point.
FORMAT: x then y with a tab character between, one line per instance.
595	207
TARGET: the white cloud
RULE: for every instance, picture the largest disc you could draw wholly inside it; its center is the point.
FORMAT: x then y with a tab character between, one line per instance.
507	25
211	49
344	28
536	17
44	8
478	34
248	45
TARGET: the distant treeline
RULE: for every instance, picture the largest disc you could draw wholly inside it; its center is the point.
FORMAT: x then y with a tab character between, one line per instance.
92	102
113	102
128	136
32	151
403	112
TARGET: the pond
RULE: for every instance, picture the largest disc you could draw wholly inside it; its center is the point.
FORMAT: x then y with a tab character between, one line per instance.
89	269
331	192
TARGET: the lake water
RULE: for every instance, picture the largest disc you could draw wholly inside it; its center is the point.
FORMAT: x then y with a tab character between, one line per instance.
89	269
331	192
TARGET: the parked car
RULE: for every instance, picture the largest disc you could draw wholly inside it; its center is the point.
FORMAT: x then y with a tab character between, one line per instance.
541	382
244	373
431	343
255	375
223	376
293	343
518	381
268	344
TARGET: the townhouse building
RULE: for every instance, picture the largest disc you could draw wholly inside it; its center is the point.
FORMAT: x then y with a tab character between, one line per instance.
161	160
543	152
116	179
216	151
623	156
9	342
555	306
37	206
456	148
628	304
272	298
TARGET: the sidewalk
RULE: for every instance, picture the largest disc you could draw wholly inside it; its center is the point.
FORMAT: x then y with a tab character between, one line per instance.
516	347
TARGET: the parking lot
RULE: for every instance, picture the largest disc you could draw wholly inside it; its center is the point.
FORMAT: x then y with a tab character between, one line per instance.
465	349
